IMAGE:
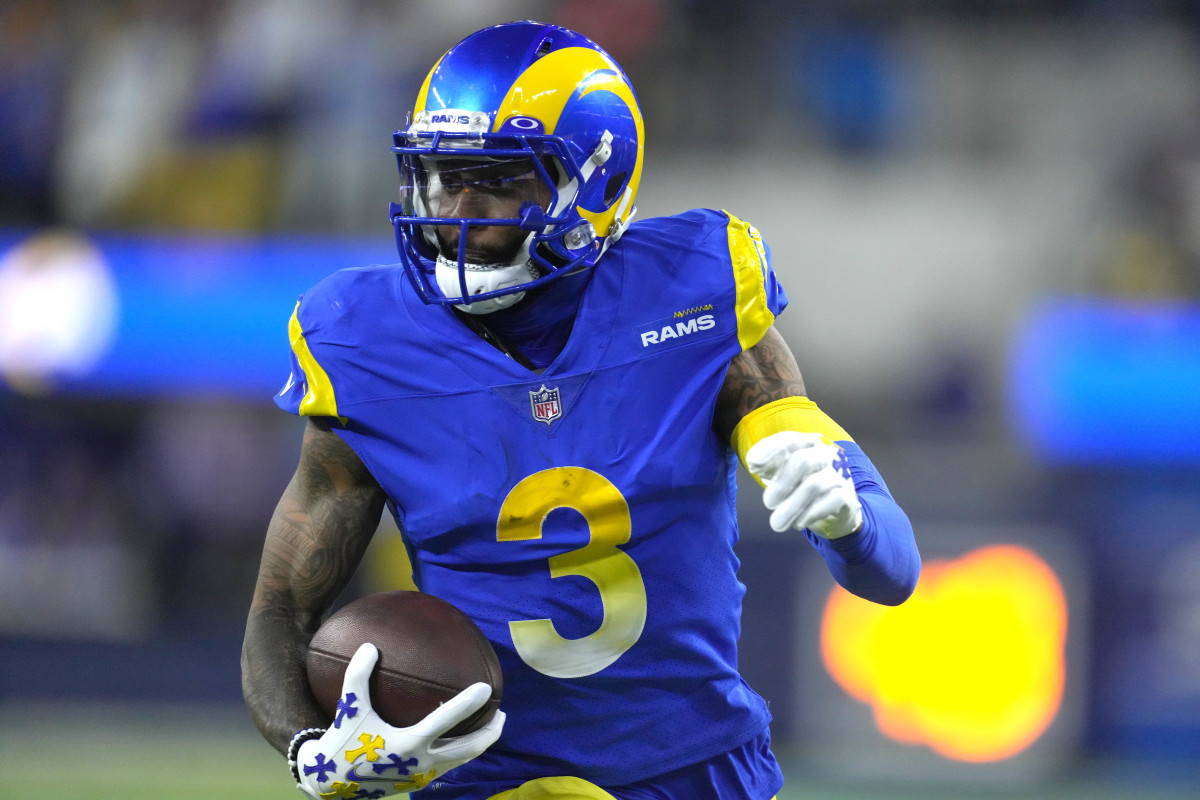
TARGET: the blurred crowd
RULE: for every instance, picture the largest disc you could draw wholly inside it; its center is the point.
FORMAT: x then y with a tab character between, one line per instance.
254	115
274	116
234	114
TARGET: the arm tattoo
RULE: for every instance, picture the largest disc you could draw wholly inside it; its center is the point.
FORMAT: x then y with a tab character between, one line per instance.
760	375
315	540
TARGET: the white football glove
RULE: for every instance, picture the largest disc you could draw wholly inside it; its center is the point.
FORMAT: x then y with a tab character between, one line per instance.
363	756
807	484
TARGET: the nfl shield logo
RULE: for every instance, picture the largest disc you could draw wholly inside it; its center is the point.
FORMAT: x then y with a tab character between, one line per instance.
545	404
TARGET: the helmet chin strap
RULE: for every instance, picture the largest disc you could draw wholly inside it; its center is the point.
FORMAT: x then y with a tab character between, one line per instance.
482	278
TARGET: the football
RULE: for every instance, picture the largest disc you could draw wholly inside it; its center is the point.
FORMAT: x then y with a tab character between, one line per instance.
428	652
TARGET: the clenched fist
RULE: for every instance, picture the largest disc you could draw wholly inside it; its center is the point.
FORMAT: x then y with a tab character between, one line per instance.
807	484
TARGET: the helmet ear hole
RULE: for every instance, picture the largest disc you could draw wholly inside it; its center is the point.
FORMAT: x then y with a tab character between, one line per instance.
613	187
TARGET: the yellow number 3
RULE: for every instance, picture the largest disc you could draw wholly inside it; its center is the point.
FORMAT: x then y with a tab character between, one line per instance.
617	577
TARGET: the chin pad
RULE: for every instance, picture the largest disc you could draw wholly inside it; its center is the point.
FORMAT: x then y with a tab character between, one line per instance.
483	278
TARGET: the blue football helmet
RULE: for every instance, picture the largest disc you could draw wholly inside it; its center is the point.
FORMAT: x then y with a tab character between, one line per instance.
532	132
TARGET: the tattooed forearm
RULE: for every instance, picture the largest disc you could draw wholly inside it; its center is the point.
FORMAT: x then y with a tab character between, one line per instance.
315	540
760	375
319	529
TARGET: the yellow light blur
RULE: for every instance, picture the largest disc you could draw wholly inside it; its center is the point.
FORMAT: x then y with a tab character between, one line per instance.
972	665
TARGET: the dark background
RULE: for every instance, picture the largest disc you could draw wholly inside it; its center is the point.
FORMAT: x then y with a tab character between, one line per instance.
986	215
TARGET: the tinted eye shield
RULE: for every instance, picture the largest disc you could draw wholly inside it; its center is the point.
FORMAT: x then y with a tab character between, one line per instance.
455	145
548	227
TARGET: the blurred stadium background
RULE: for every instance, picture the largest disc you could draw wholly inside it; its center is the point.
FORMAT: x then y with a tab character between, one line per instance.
987	216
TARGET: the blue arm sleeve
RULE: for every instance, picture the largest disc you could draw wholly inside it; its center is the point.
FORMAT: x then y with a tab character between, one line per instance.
880	563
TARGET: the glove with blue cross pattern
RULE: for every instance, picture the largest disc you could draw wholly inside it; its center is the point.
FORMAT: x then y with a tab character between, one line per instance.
807	484
361	756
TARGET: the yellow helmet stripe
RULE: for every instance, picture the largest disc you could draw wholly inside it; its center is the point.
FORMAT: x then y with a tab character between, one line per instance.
422	95
529	97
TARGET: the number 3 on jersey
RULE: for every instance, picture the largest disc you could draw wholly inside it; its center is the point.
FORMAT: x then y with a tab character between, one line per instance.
617	577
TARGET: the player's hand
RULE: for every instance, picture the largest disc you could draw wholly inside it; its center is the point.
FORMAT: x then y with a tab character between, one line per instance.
362	753
807	484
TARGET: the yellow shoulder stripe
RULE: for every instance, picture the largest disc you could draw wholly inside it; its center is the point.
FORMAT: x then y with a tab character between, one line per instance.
319	400
749	260
789	414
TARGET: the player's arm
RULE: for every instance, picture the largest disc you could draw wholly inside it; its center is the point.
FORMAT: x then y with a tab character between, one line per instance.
315	540
815	477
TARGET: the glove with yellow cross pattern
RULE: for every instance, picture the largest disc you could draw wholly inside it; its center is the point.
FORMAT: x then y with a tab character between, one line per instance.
361	756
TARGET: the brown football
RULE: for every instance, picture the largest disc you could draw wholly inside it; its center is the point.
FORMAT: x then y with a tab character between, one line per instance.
428	652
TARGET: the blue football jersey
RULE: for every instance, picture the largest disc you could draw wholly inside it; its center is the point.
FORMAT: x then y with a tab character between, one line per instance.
584	517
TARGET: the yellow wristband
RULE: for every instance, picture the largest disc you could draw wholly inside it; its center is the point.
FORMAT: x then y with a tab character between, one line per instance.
789	414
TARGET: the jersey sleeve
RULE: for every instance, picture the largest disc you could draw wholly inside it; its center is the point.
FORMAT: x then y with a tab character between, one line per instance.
881	562
308	391
760	297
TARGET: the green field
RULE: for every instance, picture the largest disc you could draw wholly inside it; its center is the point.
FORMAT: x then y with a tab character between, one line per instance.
187	753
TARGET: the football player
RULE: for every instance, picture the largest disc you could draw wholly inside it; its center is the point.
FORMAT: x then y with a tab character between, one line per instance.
552	401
